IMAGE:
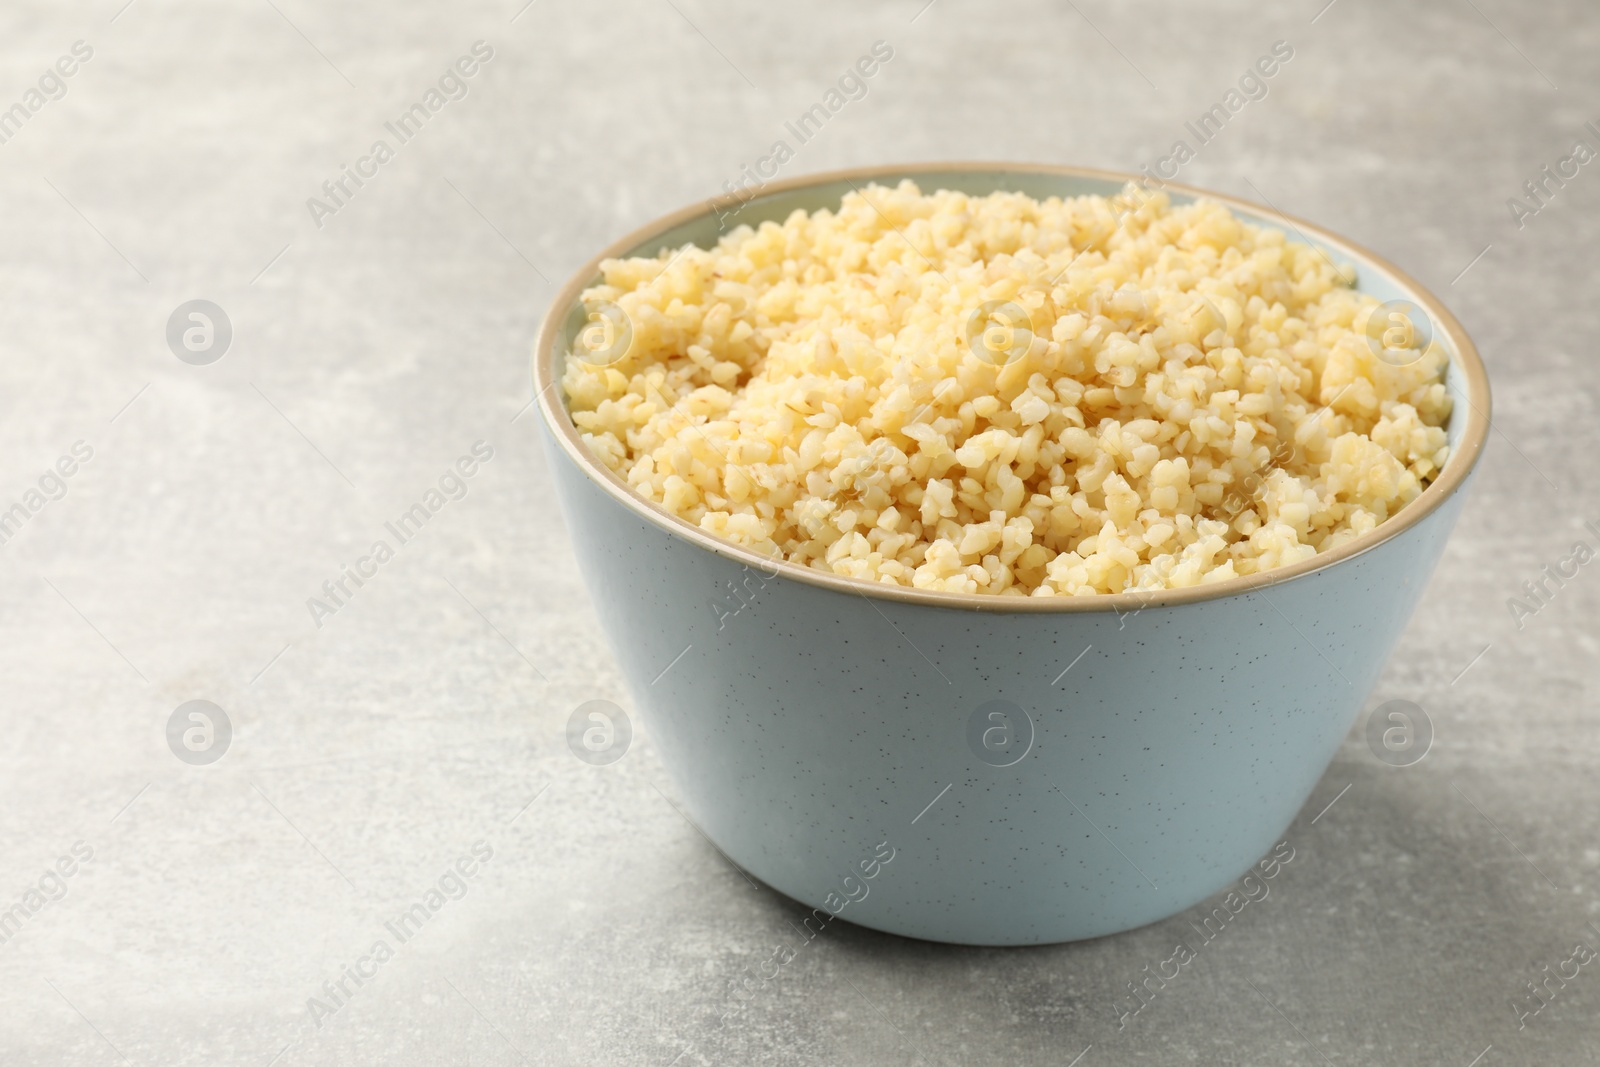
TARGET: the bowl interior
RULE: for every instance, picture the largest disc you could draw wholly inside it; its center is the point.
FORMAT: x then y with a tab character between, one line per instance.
701	225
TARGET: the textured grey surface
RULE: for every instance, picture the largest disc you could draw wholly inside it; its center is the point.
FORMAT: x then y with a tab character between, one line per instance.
369	754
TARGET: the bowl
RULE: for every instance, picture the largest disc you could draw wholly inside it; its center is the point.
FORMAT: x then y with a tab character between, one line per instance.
986	770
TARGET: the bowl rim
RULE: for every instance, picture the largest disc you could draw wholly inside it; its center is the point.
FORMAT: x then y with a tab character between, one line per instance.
1451	479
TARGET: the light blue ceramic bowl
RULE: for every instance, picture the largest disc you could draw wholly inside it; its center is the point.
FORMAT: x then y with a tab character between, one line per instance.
982	770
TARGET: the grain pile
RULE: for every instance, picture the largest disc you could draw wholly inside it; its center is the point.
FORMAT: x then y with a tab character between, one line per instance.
1011	396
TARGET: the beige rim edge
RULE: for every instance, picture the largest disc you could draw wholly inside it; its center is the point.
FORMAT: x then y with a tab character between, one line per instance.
1462	460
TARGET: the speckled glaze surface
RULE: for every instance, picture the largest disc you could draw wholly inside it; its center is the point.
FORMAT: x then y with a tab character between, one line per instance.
838	741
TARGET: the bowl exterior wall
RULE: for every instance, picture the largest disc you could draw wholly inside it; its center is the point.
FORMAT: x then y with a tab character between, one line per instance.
813	732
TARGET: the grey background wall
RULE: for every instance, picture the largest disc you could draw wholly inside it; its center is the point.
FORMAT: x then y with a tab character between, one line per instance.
377	340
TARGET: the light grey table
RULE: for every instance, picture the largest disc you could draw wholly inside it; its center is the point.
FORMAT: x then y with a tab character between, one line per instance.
376	339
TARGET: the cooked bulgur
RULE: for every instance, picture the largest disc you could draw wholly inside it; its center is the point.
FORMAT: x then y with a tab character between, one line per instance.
997	394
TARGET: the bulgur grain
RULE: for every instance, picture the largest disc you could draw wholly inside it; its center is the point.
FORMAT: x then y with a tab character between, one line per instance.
997	394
